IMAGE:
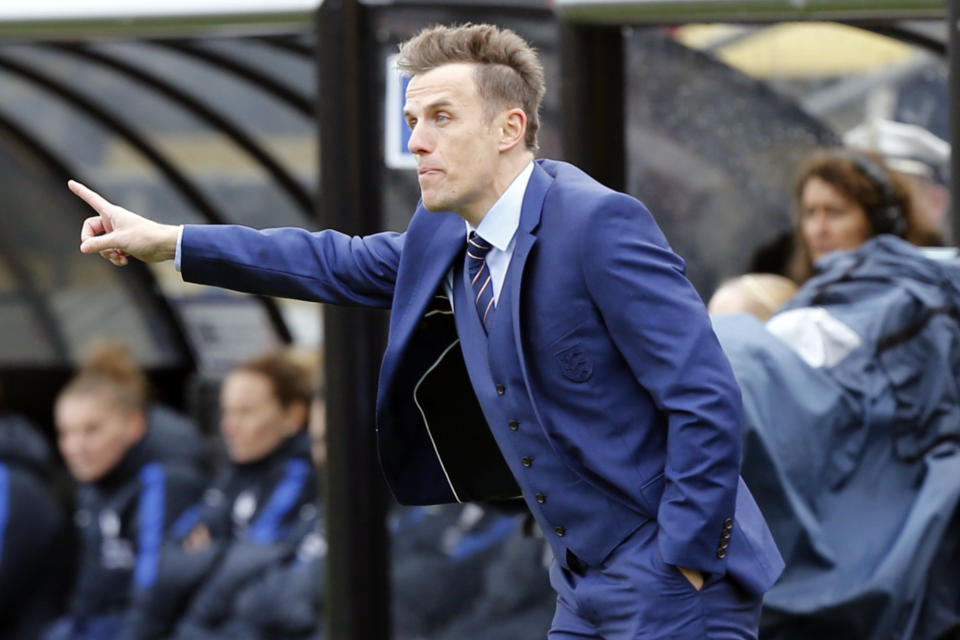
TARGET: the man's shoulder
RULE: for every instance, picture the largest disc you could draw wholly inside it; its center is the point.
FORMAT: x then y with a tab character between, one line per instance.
570	177
574	188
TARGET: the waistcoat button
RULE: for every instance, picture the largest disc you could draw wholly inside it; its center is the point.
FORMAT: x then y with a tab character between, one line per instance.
526	461
560	531
501	389
514	425
541	498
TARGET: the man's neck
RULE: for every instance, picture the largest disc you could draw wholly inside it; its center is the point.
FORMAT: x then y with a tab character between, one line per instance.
508	171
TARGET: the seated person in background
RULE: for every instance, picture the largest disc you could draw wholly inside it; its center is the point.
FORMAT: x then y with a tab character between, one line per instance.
266	498
761	294
515	599
843	199
439	555
851	399
286	600
34	554
131	486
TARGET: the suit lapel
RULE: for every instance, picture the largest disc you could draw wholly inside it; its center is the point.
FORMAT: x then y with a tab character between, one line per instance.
434	261
533	198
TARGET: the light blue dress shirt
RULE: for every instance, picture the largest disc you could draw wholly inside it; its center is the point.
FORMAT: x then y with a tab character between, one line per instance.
499	228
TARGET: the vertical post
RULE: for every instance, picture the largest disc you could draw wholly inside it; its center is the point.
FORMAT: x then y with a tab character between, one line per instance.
357	592
594	129
953	20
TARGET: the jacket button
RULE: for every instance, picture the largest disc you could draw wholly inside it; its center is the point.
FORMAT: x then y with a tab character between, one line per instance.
501	389
560	531
721	553
725	536
514	425
728	524
526	461
541	498
724	545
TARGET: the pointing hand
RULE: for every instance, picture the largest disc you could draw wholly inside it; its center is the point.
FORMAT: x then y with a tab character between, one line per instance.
117	233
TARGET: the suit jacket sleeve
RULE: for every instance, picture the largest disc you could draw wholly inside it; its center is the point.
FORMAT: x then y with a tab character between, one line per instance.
660	326
326	266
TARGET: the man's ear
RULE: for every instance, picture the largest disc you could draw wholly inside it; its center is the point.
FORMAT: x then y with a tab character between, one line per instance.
512	128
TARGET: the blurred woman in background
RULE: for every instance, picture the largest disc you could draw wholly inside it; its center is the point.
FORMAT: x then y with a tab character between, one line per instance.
263	504
130	489
843	199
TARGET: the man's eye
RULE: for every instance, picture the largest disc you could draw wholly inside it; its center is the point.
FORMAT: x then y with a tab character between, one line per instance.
411	123
442	117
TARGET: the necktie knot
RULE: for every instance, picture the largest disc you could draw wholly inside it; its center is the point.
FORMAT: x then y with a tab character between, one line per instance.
477	247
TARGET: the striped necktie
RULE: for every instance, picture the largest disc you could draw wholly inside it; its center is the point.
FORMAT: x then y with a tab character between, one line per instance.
480	279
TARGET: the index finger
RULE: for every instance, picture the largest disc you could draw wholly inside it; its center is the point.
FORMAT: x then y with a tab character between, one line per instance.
88	195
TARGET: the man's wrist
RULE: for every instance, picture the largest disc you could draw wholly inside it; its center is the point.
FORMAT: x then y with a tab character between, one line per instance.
177	256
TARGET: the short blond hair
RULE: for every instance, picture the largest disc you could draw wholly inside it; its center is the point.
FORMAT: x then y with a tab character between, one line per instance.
761	294
509	73
109	368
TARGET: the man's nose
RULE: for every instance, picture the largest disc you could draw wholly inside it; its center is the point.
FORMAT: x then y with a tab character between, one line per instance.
418	142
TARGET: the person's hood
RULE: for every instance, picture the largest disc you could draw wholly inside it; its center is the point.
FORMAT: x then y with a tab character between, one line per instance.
172	437
22	443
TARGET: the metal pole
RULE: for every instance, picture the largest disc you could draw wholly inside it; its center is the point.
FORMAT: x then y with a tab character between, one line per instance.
953	19
594	134
357	586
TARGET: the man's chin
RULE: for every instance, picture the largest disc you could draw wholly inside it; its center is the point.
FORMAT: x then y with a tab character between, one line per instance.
435	206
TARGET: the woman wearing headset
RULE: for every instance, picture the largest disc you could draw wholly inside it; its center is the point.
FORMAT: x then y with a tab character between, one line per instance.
845	198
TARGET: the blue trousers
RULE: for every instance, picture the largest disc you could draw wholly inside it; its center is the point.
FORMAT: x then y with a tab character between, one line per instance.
634	594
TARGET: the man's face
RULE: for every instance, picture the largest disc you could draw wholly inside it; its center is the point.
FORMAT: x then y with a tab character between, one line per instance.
456	144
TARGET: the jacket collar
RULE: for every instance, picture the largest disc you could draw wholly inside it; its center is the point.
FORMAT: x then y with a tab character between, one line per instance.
537	187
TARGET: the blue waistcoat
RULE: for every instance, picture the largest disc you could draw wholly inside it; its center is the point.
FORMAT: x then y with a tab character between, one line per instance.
573	514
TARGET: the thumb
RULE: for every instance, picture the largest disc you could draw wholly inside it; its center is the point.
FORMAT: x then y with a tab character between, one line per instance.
96	244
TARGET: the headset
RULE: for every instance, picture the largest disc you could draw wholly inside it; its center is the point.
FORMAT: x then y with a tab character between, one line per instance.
887	216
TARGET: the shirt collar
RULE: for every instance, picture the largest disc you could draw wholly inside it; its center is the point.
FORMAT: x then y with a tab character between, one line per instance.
500	223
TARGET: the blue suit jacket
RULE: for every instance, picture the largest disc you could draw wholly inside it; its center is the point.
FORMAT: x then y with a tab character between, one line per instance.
590	269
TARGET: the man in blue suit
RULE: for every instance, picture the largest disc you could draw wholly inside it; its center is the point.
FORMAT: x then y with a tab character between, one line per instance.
543	343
